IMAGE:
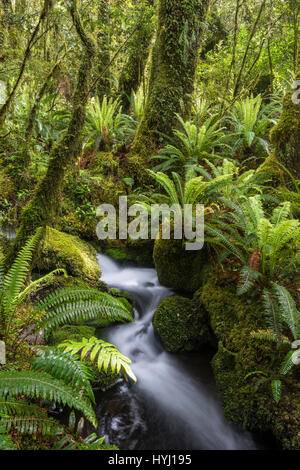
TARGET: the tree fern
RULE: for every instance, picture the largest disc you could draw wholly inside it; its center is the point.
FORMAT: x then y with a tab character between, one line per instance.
66	367
41	385
69	305
105	355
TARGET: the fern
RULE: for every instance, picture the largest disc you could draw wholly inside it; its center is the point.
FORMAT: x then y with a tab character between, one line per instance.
106	355
289	313
69	305
13	291
273	315
63	366
248	276
44	386
276	386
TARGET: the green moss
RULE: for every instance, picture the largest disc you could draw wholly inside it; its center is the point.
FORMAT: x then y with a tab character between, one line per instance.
285	136
71	332
294	198
232	319
178	268
181	324
61	250
171	83
271	166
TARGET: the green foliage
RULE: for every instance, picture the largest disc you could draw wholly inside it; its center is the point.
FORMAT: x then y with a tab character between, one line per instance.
137	104
197	141
13	291
188	191
43	386
66	367
280	311
105	355
250	123
107	126
266	247
69	305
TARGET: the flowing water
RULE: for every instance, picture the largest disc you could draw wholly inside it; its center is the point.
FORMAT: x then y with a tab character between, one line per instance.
174	403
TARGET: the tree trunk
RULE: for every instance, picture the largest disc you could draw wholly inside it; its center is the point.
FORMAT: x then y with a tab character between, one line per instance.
137	55
45	204
286	135
173	67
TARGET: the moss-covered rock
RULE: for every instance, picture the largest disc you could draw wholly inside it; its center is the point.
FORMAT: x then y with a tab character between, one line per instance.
138	251
181	324
71	332
248	401
178	268
61	250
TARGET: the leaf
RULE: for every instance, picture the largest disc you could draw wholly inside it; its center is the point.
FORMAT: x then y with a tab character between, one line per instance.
276	386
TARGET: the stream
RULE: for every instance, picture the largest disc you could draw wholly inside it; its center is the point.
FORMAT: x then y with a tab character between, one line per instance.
174	404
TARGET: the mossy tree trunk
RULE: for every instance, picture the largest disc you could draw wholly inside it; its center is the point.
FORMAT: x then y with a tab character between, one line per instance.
137	55
285	136
45	204
103	41
174	59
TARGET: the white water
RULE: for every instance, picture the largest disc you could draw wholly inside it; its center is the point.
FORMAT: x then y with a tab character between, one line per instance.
174	403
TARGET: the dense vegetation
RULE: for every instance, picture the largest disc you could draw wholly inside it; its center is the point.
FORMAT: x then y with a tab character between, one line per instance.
167	102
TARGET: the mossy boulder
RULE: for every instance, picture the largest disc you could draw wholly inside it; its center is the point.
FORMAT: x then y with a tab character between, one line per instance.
177	268
138	251
181	325
61	250
249	401
71	332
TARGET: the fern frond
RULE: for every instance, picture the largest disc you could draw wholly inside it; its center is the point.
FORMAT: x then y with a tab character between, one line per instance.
15	278
276	387
37	385
106	355
287	363
69	305
288	310
248	276
66	367
272	314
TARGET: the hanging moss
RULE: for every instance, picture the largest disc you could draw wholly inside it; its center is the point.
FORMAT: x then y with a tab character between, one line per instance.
172	72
